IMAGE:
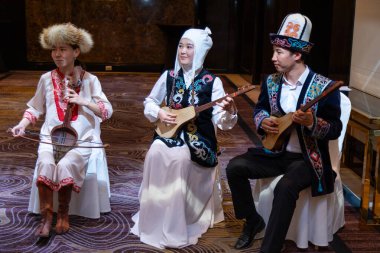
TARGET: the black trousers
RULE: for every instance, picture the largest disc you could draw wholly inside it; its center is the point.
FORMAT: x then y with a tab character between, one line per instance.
297	176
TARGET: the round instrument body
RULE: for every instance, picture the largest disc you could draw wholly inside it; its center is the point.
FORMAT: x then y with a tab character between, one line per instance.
65	135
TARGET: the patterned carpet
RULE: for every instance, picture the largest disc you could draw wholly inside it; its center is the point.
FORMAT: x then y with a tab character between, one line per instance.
129	134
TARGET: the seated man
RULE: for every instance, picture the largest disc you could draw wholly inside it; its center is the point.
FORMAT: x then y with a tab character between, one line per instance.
304	157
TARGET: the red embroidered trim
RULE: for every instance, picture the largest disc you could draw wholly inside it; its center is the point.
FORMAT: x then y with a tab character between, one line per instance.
30	117
103	110
59	87
56	187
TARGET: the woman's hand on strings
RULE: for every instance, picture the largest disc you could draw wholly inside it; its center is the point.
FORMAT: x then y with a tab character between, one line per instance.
167	117
19	129
228	105
73	98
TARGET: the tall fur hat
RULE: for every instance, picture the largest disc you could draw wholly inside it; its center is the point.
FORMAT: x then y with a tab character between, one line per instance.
66	33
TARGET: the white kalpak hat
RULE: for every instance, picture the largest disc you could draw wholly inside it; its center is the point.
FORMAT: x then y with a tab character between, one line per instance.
294	33
202	44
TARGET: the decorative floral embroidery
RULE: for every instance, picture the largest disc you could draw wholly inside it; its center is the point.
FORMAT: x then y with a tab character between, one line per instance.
322	128
201	146
57	186
103	110
207	79
297	43
58	90
292	30
260	117
172	142
314	155
178	96
198	144
318	85
281	42
273	88
28	115
292	43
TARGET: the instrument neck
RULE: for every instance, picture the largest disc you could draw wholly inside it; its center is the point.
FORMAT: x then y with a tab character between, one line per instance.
242	90
332	88
68	114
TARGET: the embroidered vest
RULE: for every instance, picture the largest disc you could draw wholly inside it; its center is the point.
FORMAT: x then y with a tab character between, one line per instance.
314	85
199	133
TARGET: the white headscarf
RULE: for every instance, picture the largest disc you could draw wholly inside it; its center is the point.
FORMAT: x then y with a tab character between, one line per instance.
202	44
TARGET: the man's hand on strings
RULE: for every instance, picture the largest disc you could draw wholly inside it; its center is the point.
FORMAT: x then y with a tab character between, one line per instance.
167	117
303	118
270	125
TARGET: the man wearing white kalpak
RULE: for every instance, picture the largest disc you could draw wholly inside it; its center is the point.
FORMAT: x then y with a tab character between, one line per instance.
303	157
178	197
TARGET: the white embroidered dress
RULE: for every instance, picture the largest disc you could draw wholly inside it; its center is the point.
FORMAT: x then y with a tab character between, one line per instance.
179	199
48	101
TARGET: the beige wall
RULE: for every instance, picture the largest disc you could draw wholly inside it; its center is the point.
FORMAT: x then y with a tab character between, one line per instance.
365	63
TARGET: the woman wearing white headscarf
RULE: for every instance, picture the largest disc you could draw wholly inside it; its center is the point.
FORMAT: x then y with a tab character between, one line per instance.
178	197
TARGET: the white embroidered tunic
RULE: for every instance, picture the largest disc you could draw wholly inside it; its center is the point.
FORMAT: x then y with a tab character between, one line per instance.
48	101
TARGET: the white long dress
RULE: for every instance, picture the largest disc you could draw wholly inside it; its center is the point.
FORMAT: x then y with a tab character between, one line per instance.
48	100
179	199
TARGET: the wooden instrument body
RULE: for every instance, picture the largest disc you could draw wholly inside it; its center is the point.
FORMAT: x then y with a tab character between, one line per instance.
170	130
184	115
274	142
64	134
285	126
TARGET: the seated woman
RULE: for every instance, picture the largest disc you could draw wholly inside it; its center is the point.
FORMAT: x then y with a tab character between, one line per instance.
67	91
177	190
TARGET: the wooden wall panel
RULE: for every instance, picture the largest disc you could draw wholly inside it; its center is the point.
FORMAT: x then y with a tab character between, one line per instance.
221	17
125	32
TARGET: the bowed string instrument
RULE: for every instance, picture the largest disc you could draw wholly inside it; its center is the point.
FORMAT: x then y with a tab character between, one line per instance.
64	137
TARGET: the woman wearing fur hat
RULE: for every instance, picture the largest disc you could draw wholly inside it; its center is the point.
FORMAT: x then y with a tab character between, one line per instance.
304	158
67	84
178	197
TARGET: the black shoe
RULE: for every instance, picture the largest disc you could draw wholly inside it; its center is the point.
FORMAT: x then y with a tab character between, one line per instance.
248	234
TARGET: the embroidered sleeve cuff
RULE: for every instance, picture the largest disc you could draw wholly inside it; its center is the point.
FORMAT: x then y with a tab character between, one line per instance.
29	116
259	117
321	128
103	110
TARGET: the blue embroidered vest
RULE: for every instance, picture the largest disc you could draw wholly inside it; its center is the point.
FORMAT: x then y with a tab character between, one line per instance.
199	133
315	85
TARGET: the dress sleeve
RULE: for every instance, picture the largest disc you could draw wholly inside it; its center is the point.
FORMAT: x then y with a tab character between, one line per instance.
36	105
101	100
223	119
153	102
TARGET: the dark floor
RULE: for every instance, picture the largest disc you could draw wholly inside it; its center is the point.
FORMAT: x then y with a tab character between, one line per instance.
129	134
